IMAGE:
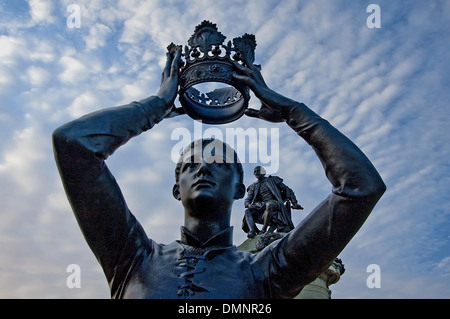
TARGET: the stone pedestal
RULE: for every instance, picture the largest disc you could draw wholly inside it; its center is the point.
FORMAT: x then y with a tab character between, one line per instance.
319	288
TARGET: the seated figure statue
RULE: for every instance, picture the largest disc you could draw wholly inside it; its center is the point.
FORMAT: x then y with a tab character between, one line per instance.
268	202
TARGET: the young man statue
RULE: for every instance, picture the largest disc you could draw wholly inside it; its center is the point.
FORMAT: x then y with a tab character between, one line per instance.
203	263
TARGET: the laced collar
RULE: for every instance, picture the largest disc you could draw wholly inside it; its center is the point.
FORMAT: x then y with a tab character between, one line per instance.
223	238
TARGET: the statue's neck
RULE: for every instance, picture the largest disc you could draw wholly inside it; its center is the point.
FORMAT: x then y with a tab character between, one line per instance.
205	229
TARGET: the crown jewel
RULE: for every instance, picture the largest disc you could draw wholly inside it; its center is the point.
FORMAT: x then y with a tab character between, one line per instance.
207	59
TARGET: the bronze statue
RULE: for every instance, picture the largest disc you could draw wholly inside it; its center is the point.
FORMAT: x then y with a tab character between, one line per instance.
269	202
204	263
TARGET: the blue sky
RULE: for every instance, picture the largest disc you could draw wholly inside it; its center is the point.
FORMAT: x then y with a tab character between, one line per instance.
386	88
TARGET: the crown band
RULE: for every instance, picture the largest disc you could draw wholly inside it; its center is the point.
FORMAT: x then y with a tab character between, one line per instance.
222	105
208	60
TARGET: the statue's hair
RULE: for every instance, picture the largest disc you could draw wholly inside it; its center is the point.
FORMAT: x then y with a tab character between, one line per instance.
205	142
261	169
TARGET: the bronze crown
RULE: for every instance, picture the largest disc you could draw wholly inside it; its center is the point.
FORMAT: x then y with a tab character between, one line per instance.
207	59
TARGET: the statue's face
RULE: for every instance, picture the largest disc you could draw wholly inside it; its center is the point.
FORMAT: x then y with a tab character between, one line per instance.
207	174
257	172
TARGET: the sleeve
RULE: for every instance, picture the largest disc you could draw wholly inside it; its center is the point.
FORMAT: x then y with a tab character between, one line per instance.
250	194
81	148
283	188
305	252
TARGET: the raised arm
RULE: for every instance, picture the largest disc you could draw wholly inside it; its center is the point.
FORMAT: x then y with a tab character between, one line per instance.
356	187
81	148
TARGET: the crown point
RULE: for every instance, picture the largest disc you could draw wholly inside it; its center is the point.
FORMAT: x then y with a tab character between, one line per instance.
245	47
205	35
206	24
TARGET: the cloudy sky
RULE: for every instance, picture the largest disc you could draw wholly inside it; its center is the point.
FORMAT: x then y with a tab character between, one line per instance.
386	88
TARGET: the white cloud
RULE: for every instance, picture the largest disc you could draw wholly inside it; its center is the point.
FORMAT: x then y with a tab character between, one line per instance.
444	265
37	76
85	103
74	70
43	51
97	36
12	49
7	79
41	11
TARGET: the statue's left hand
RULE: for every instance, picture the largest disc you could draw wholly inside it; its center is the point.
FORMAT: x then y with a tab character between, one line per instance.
275	106
296	206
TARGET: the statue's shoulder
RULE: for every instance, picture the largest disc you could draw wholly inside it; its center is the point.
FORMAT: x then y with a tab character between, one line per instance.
252	186
276	179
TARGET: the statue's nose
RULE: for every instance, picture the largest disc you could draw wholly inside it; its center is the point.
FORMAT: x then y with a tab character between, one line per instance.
203	168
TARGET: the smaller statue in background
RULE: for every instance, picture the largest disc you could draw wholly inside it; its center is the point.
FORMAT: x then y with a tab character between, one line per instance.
269	202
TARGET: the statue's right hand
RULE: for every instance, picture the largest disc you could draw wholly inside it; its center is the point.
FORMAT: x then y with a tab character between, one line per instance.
169	82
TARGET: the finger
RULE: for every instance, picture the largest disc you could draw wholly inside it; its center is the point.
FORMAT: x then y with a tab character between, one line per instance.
242	68
167	67
175	111
252	113
176	62
251	66
244	79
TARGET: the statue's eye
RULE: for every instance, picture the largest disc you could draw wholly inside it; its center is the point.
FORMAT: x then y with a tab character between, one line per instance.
189	165
220	164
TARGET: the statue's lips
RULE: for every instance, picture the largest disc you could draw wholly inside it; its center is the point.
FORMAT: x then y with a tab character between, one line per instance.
203	183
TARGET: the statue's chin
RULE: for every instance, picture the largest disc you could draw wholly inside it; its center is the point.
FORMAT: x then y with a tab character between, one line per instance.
205	203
